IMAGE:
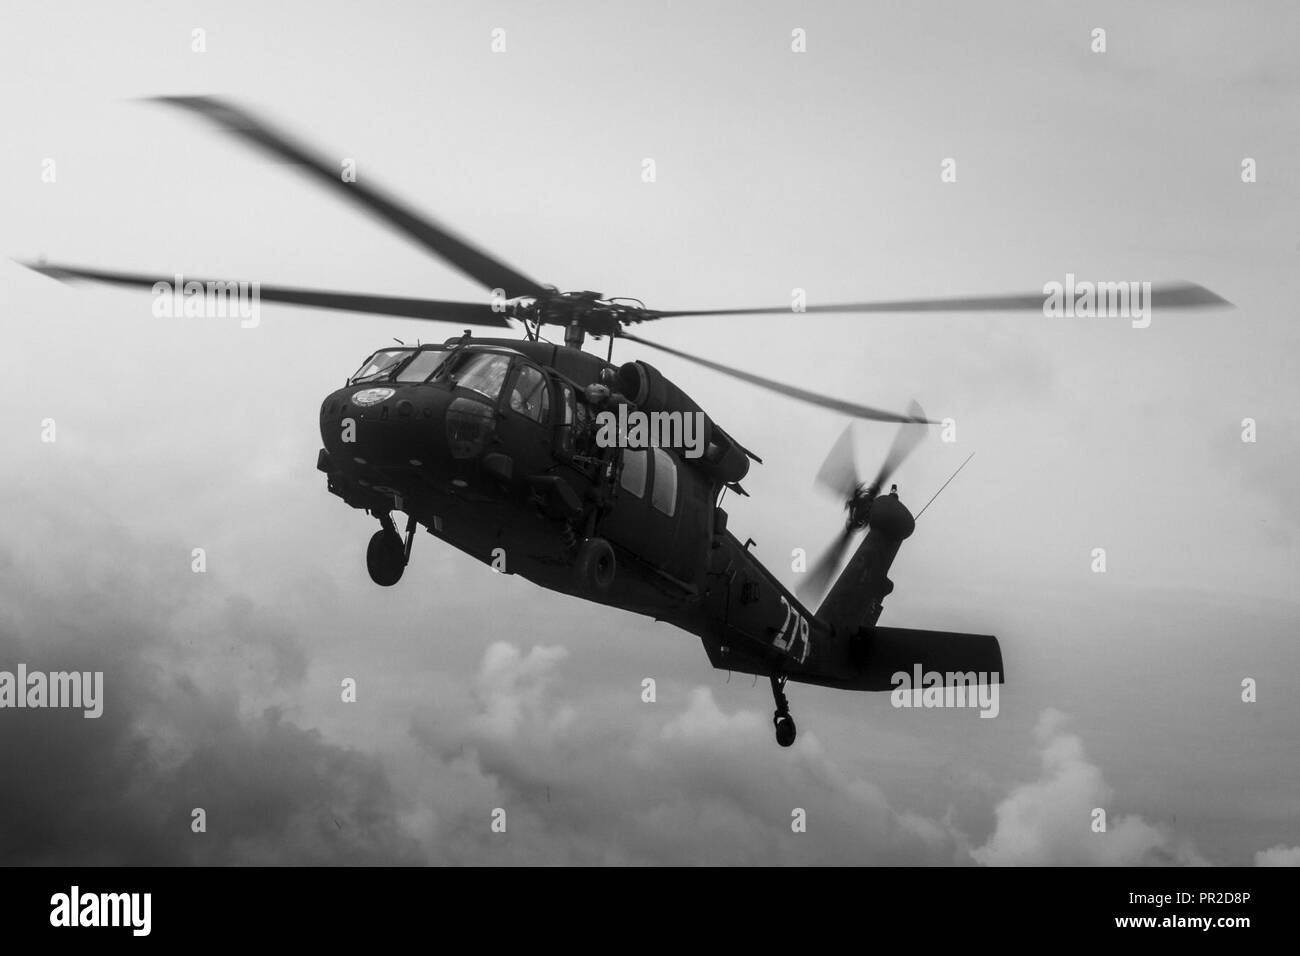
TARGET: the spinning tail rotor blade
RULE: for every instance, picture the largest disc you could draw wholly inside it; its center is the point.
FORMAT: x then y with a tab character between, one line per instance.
818	577
908	437
839	472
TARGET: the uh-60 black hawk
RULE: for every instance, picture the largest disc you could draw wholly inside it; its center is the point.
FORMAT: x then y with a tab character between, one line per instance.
491	445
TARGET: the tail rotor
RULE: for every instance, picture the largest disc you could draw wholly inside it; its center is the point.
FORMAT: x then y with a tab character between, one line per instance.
839	474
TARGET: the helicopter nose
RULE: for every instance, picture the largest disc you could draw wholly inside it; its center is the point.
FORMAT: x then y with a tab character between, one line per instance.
385	426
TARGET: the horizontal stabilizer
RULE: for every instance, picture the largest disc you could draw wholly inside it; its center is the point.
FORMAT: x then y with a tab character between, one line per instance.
881	652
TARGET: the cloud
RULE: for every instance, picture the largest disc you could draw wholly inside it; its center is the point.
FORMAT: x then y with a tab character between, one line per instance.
206	700
174	736
612	779
1265	468
204	692
1280	855
511	684
1049	822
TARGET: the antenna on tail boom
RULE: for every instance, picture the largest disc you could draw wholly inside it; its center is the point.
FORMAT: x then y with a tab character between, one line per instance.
944	485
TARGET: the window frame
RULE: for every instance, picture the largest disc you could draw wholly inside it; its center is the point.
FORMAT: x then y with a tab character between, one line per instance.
521	369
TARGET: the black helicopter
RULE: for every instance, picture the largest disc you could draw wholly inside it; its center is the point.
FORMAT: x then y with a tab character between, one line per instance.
494	446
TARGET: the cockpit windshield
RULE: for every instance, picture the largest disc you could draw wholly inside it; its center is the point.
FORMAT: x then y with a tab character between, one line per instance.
425	364
380	365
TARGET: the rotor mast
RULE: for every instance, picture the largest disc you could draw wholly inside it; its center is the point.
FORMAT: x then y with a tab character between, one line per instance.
574	334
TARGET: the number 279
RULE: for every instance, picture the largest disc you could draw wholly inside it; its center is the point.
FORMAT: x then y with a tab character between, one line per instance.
788	634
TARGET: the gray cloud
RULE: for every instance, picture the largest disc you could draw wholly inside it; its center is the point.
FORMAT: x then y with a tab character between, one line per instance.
120	789
1048	822
1279	855
610	779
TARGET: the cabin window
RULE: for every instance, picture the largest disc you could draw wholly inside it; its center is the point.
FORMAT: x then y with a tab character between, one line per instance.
634	469
484	372
530	396
665	489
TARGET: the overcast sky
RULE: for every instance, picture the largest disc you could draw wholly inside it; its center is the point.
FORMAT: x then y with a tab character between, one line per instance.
775	170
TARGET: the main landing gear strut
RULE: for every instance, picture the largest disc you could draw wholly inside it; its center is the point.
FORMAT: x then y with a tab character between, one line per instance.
784	723
387	553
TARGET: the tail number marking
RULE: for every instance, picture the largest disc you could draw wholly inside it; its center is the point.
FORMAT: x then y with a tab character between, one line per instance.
787	635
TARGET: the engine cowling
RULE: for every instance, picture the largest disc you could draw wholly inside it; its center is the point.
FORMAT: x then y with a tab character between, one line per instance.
724	459
647	388
650	391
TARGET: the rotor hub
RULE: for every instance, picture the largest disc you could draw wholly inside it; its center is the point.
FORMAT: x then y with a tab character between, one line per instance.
581	313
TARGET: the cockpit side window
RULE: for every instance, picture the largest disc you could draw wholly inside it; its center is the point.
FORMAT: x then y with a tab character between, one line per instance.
484	372
529	394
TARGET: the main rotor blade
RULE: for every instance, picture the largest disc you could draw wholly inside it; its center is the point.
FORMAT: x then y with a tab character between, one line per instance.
812	398
818	576
839	472
1176	295
435	310
488	271
908	437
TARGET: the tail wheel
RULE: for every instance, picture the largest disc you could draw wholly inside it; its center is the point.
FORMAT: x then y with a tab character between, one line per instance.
782	720
594	566
386	558
785	730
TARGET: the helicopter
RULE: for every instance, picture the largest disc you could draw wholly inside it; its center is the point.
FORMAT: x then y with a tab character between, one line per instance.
494	446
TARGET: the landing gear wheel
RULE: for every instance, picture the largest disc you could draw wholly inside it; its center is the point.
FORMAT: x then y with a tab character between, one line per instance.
784	723
785	729
386	557
594	566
